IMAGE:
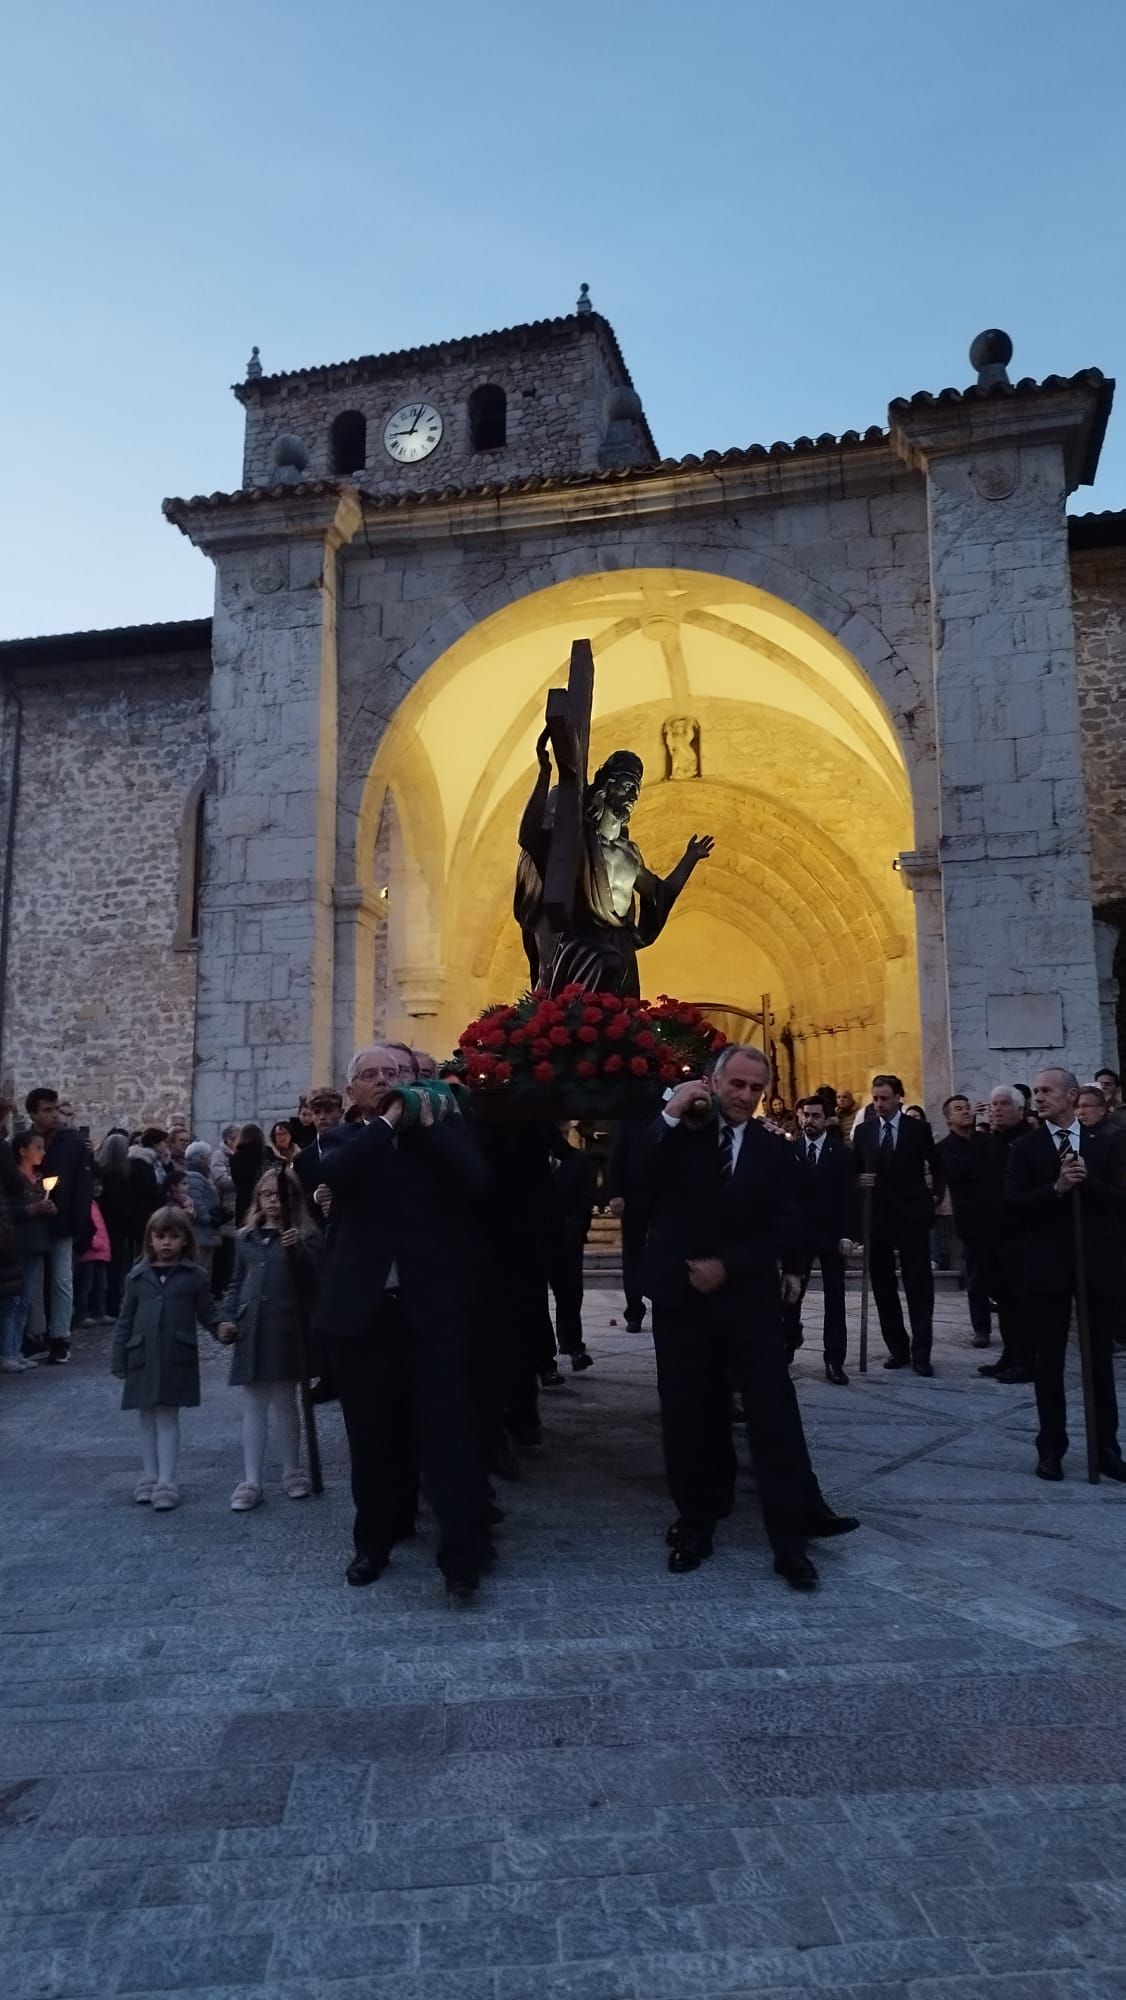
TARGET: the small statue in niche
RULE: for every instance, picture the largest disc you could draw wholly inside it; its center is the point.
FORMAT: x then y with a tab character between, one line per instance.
682	741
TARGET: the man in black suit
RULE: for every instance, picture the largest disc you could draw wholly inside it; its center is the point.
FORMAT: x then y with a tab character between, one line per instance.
893	1155
826	1203
724	1205
395	1307
326	1113
1050	1172
1002	1238
965	1155
626	1191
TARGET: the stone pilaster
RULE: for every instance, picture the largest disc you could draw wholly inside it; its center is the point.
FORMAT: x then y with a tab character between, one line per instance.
264	1026
1021	978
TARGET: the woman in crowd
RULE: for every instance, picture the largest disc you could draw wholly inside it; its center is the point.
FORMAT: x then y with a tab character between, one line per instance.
248	1164
148	1168
32	1210
113	1172
283	1145
207	1206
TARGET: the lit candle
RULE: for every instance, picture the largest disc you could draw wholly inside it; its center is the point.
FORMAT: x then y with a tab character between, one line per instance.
50	1183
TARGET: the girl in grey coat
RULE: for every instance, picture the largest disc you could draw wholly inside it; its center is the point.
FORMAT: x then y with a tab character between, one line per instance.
262	1318
156	1350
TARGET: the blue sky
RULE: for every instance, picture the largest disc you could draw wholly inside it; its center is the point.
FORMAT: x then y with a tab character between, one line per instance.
790	212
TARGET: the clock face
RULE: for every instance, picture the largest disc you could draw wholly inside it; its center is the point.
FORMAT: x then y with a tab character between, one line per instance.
412	433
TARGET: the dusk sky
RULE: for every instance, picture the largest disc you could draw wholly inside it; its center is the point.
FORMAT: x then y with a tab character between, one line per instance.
789	213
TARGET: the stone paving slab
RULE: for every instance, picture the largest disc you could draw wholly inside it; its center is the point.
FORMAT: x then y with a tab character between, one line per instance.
224	1774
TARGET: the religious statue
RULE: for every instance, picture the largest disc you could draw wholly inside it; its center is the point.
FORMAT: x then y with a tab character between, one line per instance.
682	741
585	901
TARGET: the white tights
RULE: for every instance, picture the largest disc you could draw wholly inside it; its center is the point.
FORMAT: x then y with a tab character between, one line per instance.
160	1444
260	1399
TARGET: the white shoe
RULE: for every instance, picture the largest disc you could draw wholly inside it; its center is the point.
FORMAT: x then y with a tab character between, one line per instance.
27	1361
245	1497
10	1366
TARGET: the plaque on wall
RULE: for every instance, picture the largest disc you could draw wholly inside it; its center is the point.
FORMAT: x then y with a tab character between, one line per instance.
1024	1020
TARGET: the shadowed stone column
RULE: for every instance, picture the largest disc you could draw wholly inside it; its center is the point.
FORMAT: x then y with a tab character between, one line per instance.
1013	849
266	944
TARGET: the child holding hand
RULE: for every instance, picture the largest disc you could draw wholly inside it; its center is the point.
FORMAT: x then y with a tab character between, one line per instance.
262	1317
156	1348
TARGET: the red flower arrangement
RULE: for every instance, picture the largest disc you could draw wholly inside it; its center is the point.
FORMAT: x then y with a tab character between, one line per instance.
597	1053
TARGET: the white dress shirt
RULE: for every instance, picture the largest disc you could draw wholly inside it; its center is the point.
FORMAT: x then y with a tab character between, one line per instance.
737	1132
1070	1132
817	1144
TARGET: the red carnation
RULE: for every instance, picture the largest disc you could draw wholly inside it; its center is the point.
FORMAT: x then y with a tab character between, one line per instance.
612	1065
669	1073
502	1072
544	1073
639	1066
592	1017
541	1046
483	1065
561	1037
617	1029
611	1003
647	1039
586	1069
586	1034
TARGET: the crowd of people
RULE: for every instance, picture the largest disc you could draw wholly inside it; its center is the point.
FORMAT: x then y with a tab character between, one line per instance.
399	1253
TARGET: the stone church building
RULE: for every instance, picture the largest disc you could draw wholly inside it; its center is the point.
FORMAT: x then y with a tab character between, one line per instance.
884	670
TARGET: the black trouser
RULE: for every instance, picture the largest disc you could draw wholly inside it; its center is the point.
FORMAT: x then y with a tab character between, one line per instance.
705	1347
635	1228
404	1394
1018	1345
1049	1317
974	1266
565	1276
833	1288
912	1241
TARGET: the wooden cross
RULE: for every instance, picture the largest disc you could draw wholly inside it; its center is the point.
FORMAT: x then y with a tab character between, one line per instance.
568	726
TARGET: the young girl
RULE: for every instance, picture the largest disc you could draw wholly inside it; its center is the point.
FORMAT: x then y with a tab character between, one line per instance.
156	1350
261	1316
91	1269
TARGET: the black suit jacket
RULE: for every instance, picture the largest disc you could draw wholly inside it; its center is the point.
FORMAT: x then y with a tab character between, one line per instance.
1047	1260
966	1164
901	1194
826	1194
749	1221
402	1198
309	1164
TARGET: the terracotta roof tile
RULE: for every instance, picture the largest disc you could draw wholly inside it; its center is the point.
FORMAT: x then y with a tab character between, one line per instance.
531	333
1106	530
1086	378
174	635
662	468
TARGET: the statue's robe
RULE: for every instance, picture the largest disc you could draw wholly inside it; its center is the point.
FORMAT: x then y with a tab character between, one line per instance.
599	951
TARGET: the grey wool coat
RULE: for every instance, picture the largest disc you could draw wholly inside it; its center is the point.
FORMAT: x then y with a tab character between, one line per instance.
262	1301
156	1341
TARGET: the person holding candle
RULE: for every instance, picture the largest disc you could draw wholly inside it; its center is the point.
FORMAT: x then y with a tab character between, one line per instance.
32	1211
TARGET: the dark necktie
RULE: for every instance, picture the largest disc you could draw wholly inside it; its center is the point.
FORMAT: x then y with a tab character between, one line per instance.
1065	1149
887	1138
810	1153
727	1151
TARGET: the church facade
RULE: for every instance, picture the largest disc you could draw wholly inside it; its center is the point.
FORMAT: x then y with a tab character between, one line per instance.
884	670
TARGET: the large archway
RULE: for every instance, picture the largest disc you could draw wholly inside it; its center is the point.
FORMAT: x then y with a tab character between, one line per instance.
791	761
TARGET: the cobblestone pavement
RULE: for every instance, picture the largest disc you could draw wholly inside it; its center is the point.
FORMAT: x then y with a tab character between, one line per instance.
223	1773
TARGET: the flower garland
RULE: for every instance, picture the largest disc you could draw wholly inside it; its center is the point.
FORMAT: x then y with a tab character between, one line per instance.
585	1043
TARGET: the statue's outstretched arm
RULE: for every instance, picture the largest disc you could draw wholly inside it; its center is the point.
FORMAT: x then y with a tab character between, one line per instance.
698	849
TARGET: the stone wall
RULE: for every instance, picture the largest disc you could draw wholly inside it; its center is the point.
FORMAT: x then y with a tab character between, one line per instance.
1099	597
557	382
100	1001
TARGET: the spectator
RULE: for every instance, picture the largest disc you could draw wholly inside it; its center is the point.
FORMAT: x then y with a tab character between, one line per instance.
247	1168
283	1145
1110	1083
302	1128
64	1162
112	1170
407	1066
262	1319
207	1204
156	1348
179	1139
11	1291
148	1169
425	1065
222	1163
1094	1108
91	1271
177	1193
32	1212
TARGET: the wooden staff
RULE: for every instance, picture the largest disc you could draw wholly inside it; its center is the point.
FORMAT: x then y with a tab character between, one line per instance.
865	1272
298	1280
1083	1321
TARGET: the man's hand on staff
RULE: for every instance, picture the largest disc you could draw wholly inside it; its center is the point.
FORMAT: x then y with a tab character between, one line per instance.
322	1195
227	1332
867	1181
791	1288
685	1096
1073	1173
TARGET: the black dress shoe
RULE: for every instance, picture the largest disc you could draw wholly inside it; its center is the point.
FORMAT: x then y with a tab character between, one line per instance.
823	1526
689	1547
581	1359
633	1325
798	1571
553	1377
898	1361
1112	1466
1049	1467
922	1368
1019	1375
835	1373
462	1585
364	1568
994	1368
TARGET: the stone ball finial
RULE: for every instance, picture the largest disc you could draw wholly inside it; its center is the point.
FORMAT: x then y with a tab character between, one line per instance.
584	303
991	354
253	366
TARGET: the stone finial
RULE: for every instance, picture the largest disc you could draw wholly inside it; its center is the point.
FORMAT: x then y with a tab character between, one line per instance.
253	366
583	304
990	354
